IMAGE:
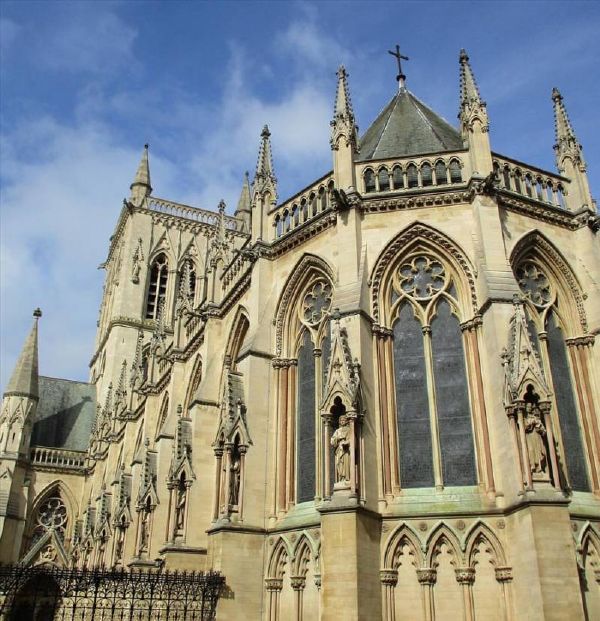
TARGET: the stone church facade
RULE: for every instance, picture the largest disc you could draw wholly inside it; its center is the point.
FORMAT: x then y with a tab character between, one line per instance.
377	399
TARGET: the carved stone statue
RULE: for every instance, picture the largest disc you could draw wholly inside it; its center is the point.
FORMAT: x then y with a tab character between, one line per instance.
180	505
144	530
535	434
340	441
119	544
234	490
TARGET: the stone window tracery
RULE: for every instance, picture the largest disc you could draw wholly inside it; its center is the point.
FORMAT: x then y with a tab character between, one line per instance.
546	312
433	415
52	515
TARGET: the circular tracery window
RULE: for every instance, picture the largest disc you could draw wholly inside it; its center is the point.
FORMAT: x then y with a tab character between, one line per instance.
534	284
52	514
316	302
421	277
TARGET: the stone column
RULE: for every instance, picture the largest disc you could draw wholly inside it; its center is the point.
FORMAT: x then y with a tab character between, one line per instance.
273	586
327	419
427	577
504	577
389	580
465	576
298	584
217	496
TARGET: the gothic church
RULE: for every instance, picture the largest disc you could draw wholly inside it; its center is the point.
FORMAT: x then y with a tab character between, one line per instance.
377	399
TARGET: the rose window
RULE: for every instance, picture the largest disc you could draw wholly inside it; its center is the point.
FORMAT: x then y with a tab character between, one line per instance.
51	515
422	277
316	302
534	284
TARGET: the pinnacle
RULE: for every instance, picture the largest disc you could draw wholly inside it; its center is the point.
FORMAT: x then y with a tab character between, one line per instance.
556	96
468	85
265	132
562	124
244	201
141	185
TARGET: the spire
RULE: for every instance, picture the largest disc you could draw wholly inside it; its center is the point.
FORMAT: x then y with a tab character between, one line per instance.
24	380
244	209
140	188
343	123
569	156
474	123
469	92
566	141
264	179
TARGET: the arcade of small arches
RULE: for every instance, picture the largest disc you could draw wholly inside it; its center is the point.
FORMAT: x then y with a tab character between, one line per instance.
393	177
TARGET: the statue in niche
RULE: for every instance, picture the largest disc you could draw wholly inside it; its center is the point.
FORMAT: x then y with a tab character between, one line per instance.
235	477
180	504
144	529
120	543
340	441
535	433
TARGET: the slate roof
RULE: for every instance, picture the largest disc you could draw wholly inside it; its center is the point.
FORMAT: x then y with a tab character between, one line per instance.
65	414
405	127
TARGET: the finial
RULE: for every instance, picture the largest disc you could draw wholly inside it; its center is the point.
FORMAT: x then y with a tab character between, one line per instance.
265	132
399	57
556	96
464	57
37	313
221	206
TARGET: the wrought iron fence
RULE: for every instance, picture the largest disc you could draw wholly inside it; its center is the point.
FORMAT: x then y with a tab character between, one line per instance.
48	593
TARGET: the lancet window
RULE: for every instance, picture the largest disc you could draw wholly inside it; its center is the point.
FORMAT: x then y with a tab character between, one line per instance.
435	437
157	287
188	269
547	310
455	172
313	339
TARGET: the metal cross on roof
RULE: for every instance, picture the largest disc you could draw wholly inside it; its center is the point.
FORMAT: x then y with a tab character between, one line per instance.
399	57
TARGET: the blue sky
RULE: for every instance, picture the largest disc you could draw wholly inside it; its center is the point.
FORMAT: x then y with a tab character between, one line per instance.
86	84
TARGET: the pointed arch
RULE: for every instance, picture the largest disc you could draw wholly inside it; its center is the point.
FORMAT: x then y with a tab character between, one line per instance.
419	236
163	414
303	555
440	535
279	558
481	533
401	536
237	335
535	245
308	267
194	382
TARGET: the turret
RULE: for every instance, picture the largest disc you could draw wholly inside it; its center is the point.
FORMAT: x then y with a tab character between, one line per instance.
141	188
265	188
569	157
344	135
474	120
244	207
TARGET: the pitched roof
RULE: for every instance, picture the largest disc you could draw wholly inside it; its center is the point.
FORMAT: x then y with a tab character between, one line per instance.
65	414
406	126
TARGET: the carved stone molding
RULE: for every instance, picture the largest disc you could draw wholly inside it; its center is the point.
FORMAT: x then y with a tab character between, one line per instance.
298	582
273	584
389	577
581	341
417	232
465	575
504	574
427	575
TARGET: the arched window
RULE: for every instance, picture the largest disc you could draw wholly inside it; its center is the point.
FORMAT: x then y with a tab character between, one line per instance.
323	198
157	287
441	174
287	221
369	179
51	514
313	313
304	208
412	176
528	184
506	177
296	215
539	189
455	172
278	226
426	175
435	437
398	178
548	337
561	197
313	205
384	180
518	184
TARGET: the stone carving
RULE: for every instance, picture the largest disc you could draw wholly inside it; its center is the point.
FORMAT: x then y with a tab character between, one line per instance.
180	505
535	434
340	441
136	264
144	530
234	485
